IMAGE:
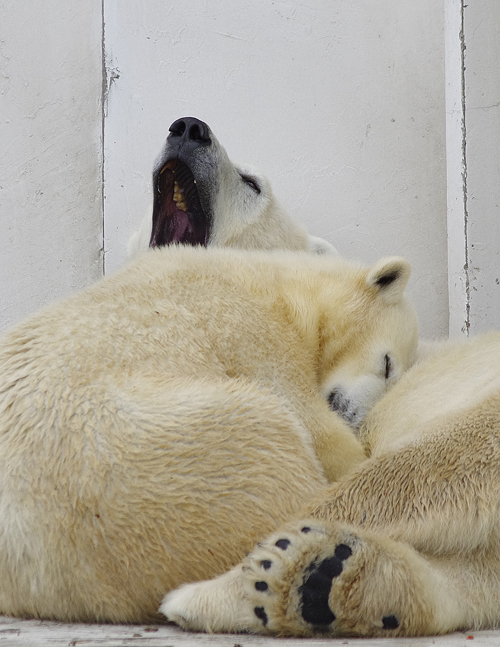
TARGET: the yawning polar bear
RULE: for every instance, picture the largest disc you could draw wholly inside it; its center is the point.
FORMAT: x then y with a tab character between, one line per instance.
202	198
155	426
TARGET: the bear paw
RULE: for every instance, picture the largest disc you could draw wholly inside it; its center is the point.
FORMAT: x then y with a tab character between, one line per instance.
315	579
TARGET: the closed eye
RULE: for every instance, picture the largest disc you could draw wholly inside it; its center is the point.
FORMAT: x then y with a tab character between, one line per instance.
388	367
251	183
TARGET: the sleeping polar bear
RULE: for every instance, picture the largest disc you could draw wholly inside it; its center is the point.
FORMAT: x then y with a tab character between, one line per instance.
158	424
201	198
406	544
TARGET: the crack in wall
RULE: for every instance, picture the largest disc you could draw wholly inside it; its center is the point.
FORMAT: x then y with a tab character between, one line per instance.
466	327
110	74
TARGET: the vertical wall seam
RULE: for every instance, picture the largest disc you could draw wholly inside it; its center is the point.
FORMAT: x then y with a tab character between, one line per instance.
464	169
104	87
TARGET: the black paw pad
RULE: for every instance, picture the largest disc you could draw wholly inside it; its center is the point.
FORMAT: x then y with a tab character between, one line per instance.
266	564
390	622
283	543
261	586
261	614
316	590
343	551
330	567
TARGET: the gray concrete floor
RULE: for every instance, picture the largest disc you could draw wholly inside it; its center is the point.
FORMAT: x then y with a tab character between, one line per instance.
36	632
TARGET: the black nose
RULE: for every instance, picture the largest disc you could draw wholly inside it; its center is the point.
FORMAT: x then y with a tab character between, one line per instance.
190	132
337	401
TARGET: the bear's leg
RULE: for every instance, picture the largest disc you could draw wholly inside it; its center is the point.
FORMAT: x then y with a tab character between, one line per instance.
315	578
440	495
405	545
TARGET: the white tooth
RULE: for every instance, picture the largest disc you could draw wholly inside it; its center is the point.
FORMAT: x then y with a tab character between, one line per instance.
181	206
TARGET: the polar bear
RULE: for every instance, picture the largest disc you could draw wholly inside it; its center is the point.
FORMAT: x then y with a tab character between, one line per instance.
201	198
408	543
155	426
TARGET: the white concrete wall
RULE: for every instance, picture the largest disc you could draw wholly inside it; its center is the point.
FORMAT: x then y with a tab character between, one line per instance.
50	154
340	103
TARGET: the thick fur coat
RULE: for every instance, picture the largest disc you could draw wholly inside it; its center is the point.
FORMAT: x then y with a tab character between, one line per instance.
155	426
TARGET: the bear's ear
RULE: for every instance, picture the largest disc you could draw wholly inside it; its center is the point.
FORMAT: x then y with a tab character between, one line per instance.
389	276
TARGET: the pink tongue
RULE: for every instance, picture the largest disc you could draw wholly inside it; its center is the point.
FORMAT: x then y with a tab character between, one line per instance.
181	223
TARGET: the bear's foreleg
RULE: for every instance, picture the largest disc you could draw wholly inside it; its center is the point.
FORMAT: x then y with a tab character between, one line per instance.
314	578
439	494
319	578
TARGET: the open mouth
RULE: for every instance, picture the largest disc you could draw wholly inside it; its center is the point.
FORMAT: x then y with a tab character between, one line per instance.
178	216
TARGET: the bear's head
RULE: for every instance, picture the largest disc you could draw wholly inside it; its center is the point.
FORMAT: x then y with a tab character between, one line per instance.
378	342
200	197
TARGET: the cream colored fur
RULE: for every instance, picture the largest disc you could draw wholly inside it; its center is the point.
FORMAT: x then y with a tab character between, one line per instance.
155	426
411	537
